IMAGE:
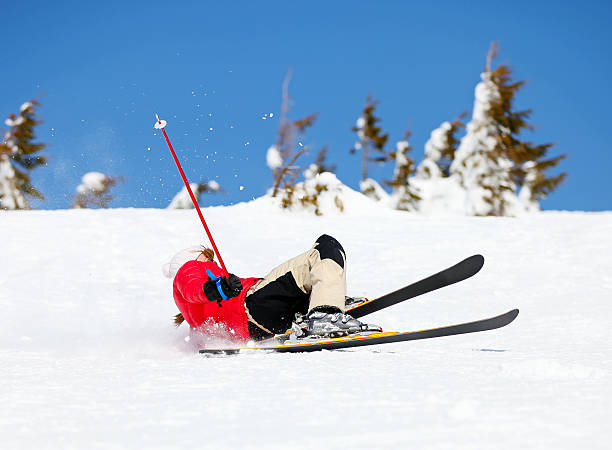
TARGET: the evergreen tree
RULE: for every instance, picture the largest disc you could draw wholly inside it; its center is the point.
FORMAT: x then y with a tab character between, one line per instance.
371	144
492	161
440	150
530	160
94	190
18	157
404	196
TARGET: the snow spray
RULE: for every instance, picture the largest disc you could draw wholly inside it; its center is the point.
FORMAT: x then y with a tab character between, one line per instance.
160	124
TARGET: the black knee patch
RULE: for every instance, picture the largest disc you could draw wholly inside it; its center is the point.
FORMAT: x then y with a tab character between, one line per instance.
329	248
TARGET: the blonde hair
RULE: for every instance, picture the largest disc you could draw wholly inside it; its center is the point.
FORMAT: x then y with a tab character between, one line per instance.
178	320
208	253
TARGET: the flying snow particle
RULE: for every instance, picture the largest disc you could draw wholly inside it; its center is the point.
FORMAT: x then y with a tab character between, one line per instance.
242	188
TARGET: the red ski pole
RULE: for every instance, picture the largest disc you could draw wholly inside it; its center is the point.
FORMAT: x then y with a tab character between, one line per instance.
160	124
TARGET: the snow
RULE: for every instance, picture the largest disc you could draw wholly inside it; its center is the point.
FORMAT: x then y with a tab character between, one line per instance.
89	357
438	140
10	122
274	158
311	171
400	150
10	196
26	106
182	200
440	197
213	185
374	191
361	123
92	182
473	163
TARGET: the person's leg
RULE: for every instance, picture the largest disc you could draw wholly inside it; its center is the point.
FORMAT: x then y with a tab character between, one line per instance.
327	274
313	279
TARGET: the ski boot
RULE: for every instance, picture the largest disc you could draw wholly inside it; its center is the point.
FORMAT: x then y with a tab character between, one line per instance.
328	322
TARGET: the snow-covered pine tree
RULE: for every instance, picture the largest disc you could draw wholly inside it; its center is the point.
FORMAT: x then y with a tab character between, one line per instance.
370	140
482	162
404	196
440	150
182	200
535	185
18	157
94	190
530	160
10	196
492	161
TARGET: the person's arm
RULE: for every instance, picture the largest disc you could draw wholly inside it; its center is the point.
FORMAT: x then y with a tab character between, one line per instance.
196	286
222	288
190	281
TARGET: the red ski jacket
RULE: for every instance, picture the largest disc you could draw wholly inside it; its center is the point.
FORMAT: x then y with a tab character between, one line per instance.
188	290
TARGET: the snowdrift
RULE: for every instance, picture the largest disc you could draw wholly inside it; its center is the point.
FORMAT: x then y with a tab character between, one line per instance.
89	356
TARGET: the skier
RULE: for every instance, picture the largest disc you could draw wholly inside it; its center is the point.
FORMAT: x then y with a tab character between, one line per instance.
311	286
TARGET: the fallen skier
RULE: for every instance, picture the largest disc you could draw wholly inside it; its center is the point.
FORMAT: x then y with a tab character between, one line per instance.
311	285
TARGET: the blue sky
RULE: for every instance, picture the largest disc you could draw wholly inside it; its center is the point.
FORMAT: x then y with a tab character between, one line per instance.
103	69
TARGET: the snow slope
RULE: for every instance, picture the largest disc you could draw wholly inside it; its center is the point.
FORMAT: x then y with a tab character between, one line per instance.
89	358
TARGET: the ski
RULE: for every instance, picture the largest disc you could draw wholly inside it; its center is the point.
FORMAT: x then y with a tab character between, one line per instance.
459	272
451	275
290	346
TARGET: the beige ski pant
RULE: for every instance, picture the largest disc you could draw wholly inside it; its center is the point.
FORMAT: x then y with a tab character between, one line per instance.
319	274
324	280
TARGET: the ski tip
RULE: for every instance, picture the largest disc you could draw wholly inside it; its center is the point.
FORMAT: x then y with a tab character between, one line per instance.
477	261
511	315
478	258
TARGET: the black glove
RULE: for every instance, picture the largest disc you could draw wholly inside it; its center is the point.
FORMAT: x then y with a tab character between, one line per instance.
231	287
